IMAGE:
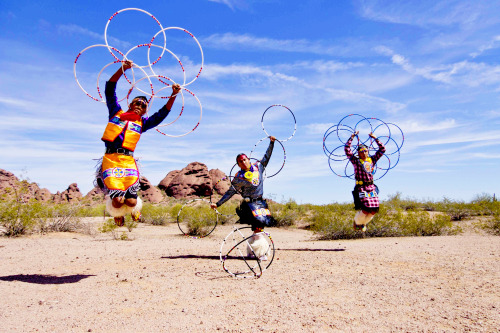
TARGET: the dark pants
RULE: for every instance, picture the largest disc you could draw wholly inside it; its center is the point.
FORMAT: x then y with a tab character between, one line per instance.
246	212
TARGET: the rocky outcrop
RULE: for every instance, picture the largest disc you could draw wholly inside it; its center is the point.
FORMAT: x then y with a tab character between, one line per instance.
95	195
220	182
71	194
12	188
149	192
192	181
163	185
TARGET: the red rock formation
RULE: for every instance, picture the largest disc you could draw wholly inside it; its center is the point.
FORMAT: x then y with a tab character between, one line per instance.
163	185
192	181
149	192
11	187
219	184
71	194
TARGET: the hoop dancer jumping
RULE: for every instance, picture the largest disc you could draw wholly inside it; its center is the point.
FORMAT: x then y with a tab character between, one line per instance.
365	194
118	175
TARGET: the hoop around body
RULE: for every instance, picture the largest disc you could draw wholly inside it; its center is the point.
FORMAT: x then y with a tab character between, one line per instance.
234	254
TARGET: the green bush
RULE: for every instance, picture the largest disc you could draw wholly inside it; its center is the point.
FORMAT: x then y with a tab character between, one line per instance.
336	222
228	212
156	214
198	220
287	214
18	218
59	218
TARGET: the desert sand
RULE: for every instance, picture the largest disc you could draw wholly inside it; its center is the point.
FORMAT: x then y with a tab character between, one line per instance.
161	281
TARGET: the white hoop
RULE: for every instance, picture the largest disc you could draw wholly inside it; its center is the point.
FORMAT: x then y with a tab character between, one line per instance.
74	68
295	121
139	10
196	40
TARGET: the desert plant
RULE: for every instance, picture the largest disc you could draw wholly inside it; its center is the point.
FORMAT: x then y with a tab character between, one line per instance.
197	219
18	215
59	218
156	214
286	214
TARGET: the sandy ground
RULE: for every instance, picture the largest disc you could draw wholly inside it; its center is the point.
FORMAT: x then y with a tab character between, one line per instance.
163	282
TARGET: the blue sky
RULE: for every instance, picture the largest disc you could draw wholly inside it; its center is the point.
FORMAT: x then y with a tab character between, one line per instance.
430	67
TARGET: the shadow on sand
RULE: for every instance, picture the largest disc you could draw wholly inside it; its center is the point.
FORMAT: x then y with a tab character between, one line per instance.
45	279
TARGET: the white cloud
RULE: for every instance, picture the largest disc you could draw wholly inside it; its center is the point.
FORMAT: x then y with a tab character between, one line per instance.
425	13
232	3
231	41
459	73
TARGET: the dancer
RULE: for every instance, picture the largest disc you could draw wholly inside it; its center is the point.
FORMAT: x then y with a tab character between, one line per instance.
118	175
253	209
366	202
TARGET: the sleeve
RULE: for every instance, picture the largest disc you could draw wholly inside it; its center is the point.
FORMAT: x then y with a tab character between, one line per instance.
111	100
267	155
380	151
229	193
155	119
347	149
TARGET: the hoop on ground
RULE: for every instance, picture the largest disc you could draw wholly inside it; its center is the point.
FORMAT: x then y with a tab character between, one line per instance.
284	155
196	219
241	258
294	120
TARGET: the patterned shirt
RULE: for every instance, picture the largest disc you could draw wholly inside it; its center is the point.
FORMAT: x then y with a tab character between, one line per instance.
363	170
250	184
113	107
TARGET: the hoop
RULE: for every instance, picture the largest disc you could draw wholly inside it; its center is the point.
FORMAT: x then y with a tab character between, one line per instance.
354	129
197	124
284	155
327	152
74	69
192	228
139	10
154	74
332	156
197	42
233	253
295	122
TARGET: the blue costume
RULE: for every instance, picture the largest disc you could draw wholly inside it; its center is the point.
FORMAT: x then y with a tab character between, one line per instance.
253	209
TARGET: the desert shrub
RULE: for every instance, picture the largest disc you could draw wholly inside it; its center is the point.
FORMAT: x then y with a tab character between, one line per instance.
333	222
18	218
420	223
59	218
156	214
109	226
197	219
286	214
91	211
336	222
492	224
228	212
396	201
